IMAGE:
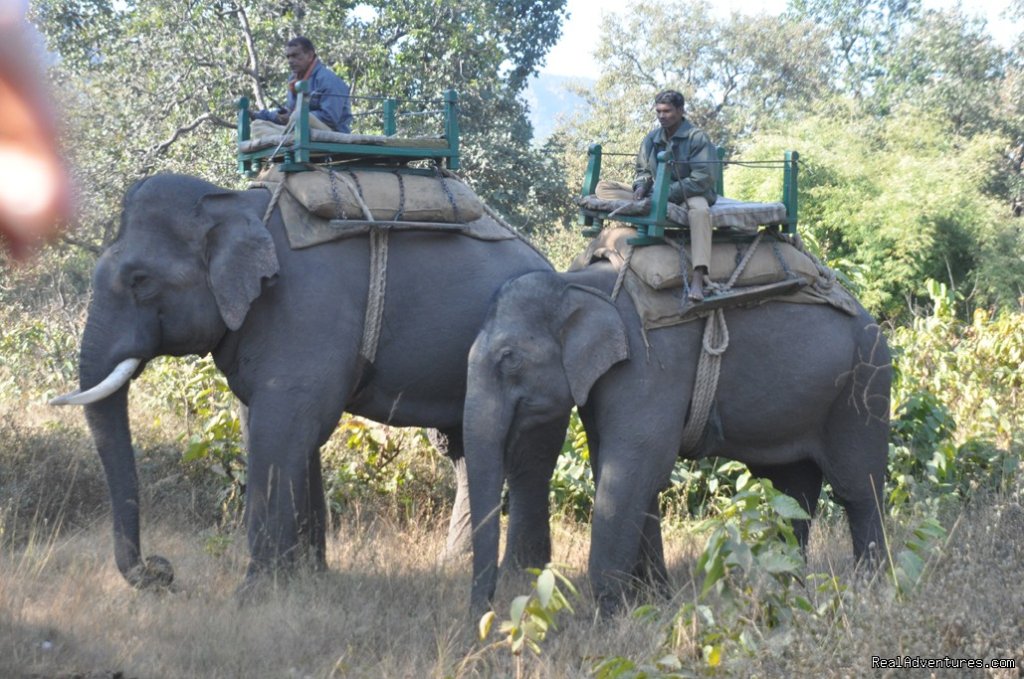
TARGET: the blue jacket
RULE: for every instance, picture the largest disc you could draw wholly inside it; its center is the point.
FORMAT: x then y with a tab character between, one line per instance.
328	100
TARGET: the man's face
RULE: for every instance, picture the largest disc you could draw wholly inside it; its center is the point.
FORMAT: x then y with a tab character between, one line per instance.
668	115
298	59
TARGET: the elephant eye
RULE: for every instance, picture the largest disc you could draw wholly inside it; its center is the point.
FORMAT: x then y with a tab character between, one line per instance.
510	360
142	285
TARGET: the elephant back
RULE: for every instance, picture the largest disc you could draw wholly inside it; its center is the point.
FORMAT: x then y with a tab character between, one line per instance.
654	275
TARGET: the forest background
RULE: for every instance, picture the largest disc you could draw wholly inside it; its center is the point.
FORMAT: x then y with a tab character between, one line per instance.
910	127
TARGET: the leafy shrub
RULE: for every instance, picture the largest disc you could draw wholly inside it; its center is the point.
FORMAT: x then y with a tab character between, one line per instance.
531	617
196	392
752	583
572	485
366	461
693	483
958	413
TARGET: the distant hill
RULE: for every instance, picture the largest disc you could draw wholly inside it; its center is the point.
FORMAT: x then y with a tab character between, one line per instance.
550	101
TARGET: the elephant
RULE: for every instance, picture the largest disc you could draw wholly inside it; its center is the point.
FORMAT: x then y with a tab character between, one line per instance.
803	394
195	270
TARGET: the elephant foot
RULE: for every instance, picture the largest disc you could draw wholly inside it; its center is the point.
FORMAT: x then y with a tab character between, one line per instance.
610	605
153	573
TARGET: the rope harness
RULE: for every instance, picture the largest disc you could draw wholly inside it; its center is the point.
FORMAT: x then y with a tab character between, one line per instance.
379	240
705	384
377	290
379	237
714	341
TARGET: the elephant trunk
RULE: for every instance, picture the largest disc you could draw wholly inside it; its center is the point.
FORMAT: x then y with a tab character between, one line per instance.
108	422
485	432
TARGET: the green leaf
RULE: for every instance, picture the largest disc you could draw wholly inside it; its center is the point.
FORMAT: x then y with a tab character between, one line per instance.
788	508
715	571
776	562
545	587
518	607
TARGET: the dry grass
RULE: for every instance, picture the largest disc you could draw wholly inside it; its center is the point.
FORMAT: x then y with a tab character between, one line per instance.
387	608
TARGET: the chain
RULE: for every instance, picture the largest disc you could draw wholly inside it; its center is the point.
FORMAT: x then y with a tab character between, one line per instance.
359	187
782	260
339	206
447	192
401	197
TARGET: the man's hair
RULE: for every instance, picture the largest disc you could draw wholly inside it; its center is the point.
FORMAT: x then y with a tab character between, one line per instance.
301	41
670	97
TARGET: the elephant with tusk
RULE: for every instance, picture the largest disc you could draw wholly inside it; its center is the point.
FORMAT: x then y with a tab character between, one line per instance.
194	270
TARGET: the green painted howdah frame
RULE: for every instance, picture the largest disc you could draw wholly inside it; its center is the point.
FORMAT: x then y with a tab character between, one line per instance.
651	228
295	156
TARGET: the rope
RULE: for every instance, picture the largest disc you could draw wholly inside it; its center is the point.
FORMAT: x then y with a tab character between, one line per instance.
401	197
622	272
738	271
375	296
827	277
447	192
377	290
339	205
274	197
714	343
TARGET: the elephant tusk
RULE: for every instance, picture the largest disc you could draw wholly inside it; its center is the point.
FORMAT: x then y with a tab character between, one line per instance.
114	381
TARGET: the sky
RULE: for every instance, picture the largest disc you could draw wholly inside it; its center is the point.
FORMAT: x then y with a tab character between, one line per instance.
572	55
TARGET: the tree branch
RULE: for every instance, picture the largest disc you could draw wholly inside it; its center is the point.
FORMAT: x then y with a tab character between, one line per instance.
162	147
253	68
85	245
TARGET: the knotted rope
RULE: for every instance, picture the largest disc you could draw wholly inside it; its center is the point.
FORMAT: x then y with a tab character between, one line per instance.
740	267
705	383
826	276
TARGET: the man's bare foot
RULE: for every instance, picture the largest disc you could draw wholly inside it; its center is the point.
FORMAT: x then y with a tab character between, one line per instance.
697	285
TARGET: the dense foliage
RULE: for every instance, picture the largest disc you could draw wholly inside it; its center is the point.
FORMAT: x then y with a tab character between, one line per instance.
908	123
152	86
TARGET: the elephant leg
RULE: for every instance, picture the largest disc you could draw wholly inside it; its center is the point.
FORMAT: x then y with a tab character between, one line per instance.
284	490
650	567
626	527
802	482
316	528
857	450
460	528
529	468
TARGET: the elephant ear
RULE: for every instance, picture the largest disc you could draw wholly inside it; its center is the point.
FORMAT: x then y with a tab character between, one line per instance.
593	338
239	253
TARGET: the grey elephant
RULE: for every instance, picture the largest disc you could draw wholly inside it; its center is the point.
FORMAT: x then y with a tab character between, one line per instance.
803	393
194	270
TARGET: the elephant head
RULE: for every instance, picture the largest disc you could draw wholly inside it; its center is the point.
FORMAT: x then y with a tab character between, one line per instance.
185	267
542	347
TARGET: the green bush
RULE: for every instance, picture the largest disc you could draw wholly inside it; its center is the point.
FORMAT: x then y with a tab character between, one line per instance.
958	422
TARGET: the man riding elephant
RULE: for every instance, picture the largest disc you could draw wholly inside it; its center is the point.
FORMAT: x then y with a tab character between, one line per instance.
329	105
693	181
